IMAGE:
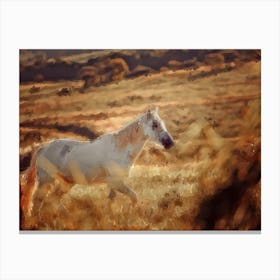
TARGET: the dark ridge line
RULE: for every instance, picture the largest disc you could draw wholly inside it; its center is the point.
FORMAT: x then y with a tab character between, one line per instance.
79	130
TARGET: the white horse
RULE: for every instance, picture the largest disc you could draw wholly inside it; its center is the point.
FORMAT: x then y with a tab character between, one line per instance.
85	161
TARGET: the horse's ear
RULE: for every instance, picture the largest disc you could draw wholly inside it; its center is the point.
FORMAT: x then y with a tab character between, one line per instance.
156	110
149	113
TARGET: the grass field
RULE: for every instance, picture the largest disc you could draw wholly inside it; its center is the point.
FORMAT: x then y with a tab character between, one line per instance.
209	180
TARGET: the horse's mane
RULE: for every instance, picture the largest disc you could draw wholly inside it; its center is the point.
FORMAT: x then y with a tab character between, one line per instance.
130	133
125	130
132	122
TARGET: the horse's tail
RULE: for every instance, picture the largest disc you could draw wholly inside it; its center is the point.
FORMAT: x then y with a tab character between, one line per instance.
28	186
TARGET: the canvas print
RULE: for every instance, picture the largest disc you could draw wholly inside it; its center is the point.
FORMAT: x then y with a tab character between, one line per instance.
140	140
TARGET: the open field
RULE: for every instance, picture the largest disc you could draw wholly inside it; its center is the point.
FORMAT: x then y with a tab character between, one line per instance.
209	180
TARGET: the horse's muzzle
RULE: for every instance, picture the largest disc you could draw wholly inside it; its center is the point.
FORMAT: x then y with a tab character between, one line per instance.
167	142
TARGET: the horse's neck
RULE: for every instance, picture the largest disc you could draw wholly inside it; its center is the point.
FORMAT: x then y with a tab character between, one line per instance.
131	139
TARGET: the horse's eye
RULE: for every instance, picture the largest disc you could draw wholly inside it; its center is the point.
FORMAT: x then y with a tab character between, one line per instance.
155	125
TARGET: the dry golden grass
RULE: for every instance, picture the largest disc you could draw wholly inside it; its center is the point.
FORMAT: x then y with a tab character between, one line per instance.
215	122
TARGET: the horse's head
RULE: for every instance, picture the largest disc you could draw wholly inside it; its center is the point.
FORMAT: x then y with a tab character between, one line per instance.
154	128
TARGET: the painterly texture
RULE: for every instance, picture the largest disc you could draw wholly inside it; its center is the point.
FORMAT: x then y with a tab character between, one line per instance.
210	179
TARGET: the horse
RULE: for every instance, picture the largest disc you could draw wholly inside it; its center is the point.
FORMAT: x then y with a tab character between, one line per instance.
83	162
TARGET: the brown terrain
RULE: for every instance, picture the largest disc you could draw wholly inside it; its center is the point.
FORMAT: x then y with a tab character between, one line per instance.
210	101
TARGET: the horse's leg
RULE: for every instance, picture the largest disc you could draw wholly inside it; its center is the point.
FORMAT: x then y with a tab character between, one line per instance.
122	188
27	190
52	172
114	174
27	199
77	173
62	182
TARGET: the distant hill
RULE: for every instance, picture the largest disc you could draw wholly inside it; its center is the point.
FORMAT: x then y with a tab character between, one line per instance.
53	65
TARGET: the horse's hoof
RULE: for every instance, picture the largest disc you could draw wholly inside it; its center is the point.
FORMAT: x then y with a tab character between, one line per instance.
112	195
